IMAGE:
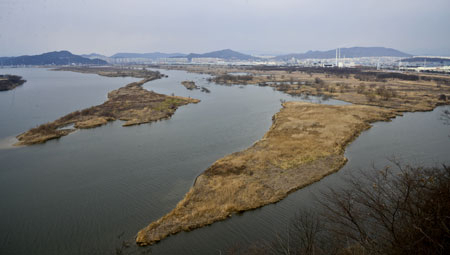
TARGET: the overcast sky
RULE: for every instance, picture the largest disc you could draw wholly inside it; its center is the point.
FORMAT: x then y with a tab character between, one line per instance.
256	26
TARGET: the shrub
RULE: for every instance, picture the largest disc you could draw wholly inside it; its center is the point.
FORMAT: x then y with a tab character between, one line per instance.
370	97
360	89
402	210
385	93
318	81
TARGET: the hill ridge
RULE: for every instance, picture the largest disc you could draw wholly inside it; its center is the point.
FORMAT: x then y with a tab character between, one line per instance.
62	57
352	52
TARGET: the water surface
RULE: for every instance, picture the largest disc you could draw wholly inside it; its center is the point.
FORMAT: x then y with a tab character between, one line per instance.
48	95
89	191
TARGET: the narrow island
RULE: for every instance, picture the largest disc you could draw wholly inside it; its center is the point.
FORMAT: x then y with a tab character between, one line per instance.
305	143
190	85
9	82
131	103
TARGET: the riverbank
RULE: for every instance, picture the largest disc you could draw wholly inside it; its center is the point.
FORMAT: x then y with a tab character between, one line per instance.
131	103
305	143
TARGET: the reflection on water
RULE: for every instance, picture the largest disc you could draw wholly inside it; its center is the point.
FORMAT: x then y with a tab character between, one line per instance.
76	195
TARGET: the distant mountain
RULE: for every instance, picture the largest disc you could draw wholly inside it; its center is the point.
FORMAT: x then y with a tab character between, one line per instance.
354	52
224	54
97	56
93	56
51	58
153	55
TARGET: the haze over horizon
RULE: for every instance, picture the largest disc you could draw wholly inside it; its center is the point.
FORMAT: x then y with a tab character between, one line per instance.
249	26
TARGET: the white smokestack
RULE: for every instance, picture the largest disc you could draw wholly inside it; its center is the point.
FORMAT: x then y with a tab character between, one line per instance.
336	57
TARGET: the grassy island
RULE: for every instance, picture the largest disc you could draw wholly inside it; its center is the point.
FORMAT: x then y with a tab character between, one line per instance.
189	85
305	143
131	103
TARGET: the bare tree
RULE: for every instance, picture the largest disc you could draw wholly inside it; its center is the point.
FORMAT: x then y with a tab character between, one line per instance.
404	210
396	210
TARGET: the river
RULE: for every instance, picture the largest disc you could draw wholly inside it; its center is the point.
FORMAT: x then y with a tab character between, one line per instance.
87	192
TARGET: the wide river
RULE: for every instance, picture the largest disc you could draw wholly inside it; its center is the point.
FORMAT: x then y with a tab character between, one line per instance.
88	192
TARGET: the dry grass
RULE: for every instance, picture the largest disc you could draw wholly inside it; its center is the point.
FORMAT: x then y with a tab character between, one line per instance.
305	143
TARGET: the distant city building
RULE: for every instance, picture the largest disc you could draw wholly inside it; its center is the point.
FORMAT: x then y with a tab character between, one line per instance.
172	61
207	60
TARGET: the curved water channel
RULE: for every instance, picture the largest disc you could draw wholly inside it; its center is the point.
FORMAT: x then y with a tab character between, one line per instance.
91	190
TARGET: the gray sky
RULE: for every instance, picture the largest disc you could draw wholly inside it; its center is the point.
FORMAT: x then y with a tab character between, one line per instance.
272	26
